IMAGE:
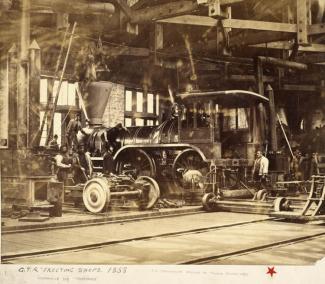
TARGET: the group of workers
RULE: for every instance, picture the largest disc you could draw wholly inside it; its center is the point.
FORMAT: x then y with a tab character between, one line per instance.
301	167
71	158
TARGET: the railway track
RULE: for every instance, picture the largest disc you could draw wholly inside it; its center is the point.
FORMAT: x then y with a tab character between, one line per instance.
219	257
204	245
9	258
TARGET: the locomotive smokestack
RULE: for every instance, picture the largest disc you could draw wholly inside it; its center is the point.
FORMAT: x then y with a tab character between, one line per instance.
95	100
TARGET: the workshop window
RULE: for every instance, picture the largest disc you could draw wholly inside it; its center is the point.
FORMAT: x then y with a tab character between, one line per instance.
235	118
141	109
67	95
128	122
43	91
56	127
157	104
139	102
139	122
150	103
128	100
44	130
150	122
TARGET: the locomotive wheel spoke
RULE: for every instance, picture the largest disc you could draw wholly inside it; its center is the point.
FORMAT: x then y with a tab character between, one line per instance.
189	161
139	161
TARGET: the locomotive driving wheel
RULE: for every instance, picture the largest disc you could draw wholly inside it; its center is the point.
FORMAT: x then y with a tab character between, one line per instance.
96	195
189	170
148	199
137	162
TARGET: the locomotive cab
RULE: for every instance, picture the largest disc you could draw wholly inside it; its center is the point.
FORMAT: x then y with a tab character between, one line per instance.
224	124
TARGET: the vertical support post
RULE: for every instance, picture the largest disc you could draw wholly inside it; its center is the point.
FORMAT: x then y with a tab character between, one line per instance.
13	96
158	40
212	121
195	115
145	98
274	141
134	106
260	83
34	92
302	22
23	95
253	123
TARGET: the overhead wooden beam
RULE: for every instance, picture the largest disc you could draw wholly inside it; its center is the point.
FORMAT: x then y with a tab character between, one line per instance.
158	40
289	45
316	29
302	88
282	63
257	37
126	51
162	11
311	58
249	78
231	23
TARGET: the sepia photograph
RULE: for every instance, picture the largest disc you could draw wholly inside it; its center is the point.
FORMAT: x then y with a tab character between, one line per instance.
186	134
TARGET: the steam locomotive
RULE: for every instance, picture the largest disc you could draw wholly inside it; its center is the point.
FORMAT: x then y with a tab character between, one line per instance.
220	127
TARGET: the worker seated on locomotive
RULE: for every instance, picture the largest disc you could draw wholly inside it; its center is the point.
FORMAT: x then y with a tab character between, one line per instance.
53	144
63	164
114	136
260	170
82	165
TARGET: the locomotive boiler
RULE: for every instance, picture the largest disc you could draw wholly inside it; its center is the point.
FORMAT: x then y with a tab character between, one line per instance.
219	127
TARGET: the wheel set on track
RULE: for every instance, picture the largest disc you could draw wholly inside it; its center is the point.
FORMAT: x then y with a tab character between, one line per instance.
99	193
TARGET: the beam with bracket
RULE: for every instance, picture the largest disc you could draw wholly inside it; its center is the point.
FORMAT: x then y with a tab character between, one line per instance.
302	22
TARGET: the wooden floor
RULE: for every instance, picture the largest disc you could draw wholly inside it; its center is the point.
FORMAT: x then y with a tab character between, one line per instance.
229	238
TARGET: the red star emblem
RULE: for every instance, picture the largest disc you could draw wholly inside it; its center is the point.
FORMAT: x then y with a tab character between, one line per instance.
271	271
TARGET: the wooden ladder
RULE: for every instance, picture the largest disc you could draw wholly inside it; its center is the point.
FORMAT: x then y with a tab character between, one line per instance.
316	195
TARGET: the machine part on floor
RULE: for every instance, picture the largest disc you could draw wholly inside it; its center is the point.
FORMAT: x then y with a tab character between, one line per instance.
165	203
314	207
209	202
99	193
316	196
281	204
261	194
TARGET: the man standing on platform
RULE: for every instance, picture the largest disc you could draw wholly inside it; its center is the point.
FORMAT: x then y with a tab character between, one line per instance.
54	145
72	130
260	169
63	164
83	167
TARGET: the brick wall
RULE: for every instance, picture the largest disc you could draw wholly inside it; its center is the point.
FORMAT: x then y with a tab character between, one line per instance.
114	112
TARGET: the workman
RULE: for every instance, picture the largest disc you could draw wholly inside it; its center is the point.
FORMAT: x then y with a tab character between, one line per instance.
54	145
296	165
108	162
260	168
82	166
63	164
114	135
74	126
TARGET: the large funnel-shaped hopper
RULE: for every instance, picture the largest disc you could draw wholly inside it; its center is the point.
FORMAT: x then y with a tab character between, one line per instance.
95	100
